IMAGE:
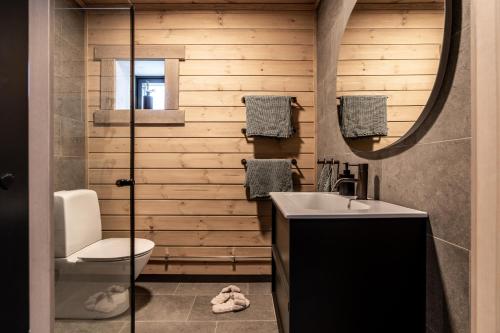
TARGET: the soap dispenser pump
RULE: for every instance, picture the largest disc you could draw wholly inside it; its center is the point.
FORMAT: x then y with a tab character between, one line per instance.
346	188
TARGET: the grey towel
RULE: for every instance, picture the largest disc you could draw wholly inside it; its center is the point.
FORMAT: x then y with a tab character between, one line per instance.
327	178
363	116
334	177
269	116
268	175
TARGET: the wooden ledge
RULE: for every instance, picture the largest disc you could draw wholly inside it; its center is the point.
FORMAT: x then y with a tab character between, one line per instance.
141	52
144	117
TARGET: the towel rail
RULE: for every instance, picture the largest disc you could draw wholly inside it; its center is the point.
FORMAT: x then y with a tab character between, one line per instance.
244	132
233	260
244	161
329	161
294	100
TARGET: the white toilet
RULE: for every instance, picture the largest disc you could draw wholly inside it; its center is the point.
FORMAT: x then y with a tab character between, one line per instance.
92	274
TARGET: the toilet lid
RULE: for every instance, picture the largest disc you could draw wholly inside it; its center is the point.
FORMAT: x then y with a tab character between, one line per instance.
114	249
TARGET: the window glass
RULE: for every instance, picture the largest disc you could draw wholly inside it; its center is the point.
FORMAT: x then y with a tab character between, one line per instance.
149	79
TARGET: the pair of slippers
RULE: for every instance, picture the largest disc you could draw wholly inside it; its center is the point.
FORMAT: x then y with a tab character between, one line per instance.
230	299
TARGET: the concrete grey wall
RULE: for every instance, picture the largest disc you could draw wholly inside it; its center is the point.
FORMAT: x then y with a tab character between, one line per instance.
69	97
430	171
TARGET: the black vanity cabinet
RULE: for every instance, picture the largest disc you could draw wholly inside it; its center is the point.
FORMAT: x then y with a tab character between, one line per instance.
349	275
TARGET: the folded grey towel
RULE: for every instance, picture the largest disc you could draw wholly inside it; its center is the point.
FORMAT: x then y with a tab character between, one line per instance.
363	116
269	116
268	175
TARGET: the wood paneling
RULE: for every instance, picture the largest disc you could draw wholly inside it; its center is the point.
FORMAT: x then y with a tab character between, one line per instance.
186	207
141	51
236	52
226	114
201	238
183	222
247	67
392	51
176	191
190	130
183	160
387	67
189	194
396	20
185	5
122	117
204	145
387	82
235	83
202	36
204	20
208	268
183	176
397	52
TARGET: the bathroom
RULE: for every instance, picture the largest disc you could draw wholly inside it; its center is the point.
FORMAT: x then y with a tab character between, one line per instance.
157	129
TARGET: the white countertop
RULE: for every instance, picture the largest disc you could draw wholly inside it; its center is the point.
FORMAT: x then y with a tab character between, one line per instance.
325	205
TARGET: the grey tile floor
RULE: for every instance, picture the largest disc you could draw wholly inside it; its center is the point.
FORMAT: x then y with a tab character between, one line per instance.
168	307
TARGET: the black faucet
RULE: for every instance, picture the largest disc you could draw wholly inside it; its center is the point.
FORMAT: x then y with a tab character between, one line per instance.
361	182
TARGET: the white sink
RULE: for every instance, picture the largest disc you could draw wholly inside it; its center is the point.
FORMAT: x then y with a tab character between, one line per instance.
331	205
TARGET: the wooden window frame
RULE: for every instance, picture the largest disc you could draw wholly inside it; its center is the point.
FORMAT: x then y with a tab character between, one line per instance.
109	54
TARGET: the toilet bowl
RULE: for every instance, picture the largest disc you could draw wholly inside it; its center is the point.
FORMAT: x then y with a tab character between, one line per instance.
92	274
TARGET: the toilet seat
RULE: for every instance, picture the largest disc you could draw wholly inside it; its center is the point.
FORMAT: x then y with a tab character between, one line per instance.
113	249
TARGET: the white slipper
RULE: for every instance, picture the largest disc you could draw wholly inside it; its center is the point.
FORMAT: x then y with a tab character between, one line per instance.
241	303
230	306
221	298
225	294
231	288
239	296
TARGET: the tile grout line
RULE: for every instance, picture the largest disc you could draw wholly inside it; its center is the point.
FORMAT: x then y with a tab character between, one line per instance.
450	243
176	287
191	309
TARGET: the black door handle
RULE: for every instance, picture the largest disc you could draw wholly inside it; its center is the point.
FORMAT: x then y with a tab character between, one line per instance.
6	180
125	182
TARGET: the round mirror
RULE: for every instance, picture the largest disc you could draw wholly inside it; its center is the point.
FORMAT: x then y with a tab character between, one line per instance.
389	70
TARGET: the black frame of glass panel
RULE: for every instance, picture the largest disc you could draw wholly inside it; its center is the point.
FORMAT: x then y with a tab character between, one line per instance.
132	170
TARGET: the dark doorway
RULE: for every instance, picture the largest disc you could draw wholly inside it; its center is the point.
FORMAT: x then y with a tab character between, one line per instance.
14	164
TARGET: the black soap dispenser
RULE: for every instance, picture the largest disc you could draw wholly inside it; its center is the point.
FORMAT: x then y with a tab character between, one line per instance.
346	188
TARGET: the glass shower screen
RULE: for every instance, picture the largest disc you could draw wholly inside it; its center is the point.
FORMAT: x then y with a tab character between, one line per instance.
93	170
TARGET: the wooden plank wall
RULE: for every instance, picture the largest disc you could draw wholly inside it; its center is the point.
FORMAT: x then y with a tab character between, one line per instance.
393	52
190	198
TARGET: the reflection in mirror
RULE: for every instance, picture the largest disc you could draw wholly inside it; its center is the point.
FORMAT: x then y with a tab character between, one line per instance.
388	62
149	84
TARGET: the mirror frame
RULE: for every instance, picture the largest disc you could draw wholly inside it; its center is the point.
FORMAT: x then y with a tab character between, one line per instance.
437	92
